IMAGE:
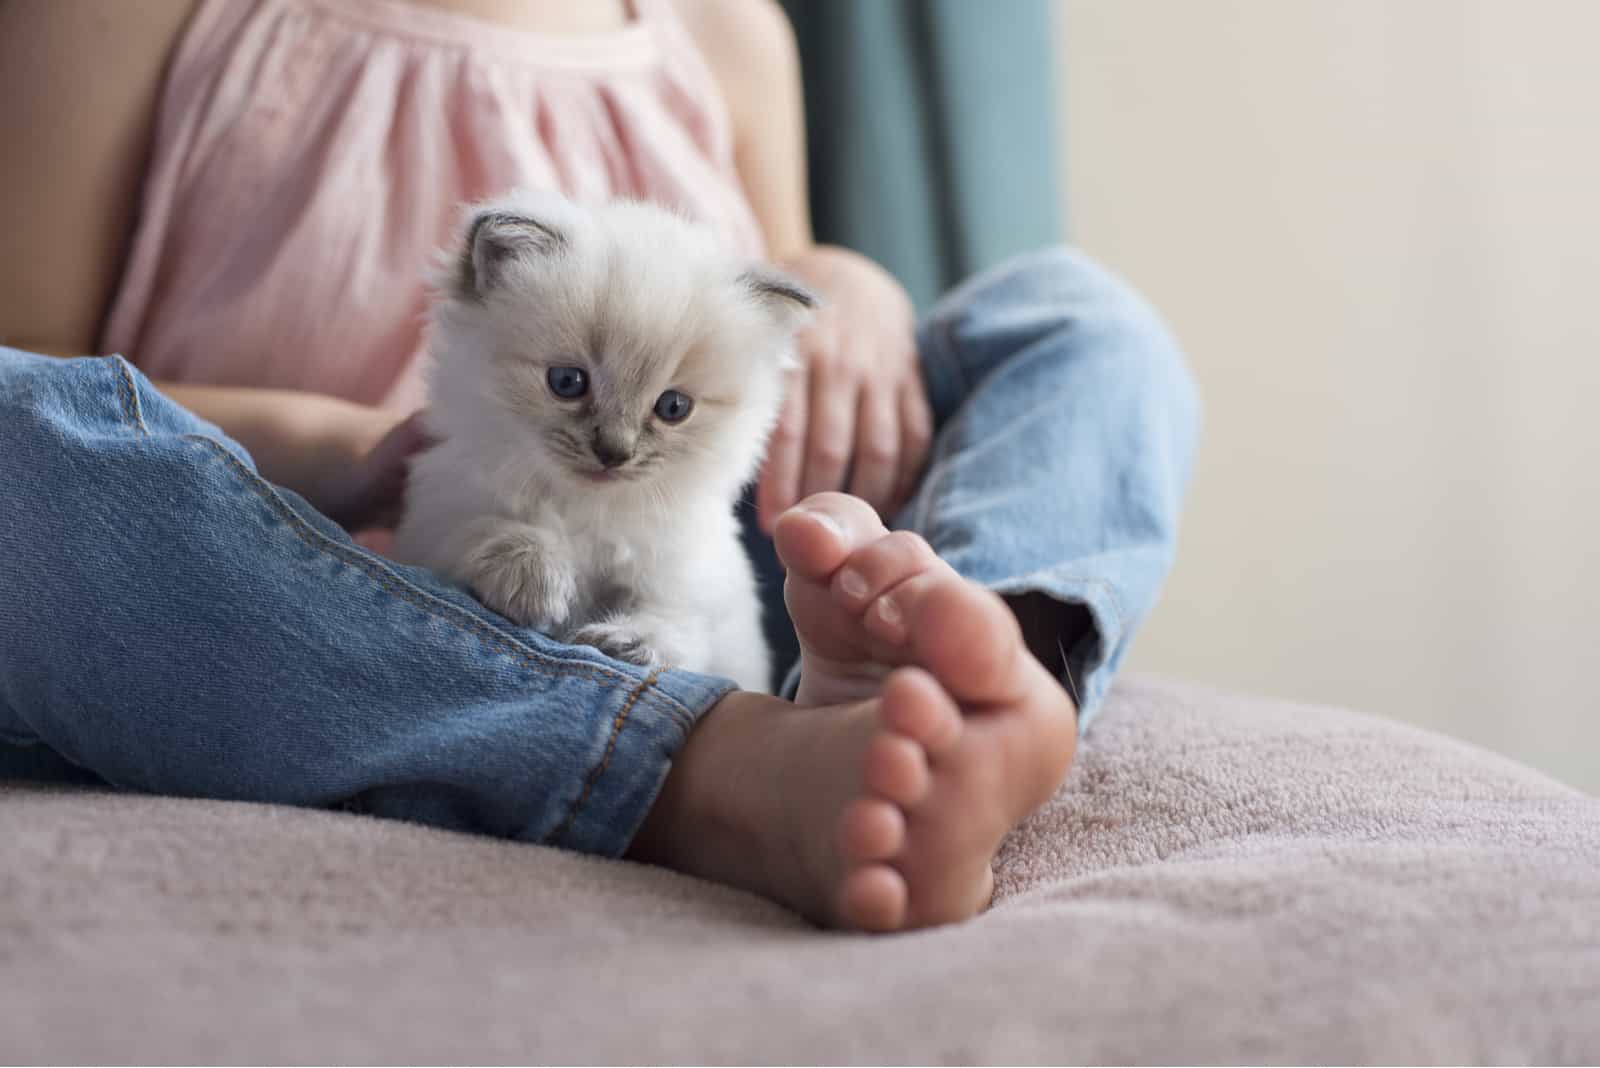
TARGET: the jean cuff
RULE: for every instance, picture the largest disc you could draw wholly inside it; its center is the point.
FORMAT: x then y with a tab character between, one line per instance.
1091	661
647	726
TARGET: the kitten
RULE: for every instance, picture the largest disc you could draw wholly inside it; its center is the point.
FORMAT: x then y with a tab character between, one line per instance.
604	381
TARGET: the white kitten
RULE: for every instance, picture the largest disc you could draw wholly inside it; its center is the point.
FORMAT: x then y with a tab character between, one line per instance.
604	380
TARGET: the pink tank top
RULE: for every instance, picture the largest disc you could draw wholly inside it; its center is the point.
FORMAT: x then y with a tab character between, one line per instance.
312	155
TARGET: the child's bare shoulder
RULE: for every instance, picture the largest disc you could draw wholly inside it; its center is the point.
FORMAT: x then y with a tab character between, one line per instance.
747	43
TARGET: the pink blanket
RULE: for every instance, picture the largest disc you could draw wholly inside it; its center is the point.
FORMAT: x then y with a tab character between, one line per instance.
1221	879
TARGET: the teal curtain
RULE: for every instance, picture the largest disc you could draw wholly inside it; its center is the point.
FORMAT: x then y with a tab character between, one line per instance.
931	131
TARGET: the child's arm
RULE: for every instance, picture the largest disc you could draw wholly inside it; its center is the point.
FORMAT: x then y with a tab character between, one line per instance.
79	84
861	407
750	47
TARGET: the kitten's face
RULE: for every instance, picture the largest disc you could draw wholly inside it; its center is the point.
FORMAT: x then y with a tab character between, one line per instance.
619	346
614	394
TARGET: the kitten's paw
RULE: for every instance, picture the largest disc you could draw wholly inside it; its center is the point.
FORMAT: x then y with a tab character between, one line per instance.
516	574
619	640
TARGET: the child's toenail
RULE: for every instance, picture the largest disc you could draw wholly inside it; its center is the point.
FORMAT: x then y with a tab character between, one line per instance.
827	521
888	610
852	583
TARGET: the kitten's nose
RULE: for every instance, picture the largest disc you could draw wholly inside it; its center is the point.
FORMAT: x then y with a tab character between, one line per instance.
610	453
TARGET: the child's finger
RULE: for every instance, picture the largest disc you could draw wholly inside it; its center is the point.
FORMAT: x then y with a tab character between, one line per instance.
916	439
830	435
875	465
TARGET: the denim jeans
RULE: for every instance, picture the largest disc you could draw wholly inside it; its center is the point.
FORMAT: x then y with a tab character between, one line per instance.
171	622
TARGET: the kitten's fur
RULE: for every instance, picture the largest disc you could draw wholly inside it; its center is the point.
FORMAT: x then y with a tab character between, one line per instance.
642	559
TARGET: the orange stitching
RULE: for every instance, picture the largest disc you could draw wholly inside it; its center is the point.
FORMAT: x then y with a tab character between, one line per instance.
457	617
375	571
605	761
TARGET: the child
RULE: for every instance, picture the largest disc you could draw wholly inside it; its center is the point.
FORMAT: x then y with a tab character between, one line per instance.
240	198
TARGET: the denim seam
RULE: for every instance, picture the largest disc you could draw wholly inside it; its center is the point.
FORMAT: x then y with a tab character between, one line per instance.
683	719
531	660
128	394
617	724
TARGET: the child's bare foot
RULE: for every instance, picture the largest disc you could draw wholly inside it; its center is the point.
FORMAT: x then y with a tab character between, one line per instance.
880	813
846	578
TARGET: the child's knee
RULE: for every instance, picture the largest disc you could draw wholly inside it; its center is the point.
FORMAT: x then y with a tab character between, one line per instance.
1057	305
1052	288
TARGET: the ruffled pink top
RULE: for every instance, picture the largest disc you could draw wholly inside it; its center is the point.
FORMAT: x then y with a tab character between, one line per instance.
312	155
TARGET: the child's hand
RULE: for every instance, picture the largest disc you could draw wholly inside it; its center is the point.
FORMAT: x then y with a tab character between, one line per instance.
857	404
370	489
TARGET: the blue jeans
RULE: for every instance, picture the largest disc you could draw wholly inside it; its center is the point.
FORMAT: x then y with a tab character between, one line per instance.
172	622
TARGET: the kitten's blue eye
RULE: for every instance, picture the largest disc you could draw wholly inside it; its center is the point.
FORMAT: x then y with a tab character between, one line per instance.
568	383
674	407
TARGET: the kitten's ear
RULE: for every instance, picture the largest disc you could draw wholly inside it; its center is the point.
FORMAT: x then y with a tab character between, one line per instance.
789	301
497	238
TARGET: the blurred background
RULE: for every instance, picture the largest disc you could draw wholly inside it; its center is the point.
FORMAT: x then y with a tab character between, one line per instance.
1375	227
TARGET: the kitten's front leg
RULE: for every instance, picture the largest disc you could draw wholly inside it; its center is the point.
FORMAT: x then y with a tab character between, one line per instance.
619	637
650	639
522	571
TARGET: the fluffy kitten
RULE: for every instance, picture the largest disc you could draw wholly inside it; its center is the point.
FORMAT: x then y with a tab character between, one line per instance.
604	382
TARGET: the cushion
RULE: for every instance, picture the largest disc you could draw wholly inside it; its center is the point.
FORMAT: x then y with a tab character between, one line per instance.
1220	879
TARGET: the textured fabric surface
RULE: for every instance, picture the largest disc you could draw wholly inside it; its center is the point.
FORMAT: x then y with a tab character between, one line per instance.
1220	879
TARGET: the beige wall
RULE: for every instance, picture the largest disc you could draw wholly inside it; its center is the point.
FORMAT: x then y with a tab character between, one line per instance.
1375	225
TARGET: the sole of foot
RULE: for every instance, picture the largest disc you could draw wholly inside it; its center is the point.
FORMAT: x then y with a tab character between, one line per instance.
935	732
